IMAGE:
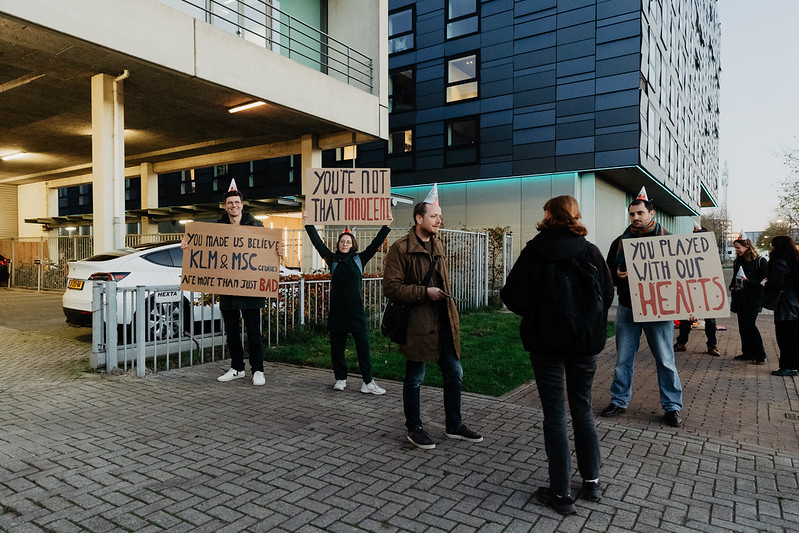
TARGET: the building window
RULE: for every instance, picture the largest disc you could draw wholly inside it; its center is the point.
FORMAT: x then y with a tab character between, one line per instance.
294	167
401	91
84	194
346	153
187	183
400	142
463	18
462	141
63	199
401	30
462	78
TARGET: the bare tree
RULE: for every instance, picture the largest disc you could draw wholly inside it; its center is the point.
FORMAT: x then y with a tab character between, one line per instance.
718	222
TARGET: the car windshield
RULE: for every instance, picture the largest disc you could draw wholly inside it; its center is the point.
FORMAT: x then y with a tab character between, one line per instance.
114	254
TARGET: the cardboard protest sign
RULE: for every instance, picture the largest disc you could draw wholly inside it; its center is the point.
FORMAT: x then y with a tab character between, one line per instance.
232	260
675	277
356	196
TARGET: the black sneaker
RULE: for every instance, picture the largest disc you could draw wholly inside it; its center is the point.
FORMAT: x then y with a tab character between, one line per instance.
464	433
758	361
673	418
743	357
418	437
591	491
612	410
563	505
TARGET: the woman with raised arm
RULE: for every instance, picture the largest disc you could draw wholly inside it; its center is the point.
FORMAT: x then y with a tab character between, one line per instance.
346	314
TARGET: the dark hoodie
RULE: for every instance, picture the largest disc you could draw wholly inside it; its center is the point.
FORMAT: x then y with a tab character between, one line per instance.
523	288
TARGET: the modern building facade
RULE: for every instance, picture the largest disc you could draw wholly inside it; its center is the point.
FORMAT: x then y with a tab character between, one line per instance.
510	102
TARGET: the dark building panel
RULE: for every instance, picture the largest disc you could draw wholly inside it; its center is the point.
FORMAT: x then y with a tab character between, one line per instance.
569	130
576	106
565	163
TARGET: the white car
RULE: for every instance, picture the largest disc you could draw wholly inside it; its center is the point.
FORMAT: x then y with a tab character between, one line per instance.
152	265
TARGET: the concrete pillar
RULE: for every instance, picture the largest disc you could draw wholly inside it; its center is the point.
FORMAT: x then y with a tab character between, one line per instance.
108	162
311	158
149	196
586	197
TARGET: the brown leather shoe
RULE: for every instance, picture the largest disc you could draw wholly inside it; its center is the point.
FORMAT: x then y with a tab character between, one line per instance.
679	347
713	351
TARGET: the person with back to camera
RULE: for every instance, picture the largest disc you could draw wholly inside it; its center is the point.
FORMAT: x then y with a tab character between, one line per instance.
561	238
749	271
782	289
346	314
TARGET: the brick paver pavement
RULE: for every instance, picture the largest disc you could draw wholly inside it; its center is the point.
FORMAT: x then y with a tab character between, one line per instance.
178	451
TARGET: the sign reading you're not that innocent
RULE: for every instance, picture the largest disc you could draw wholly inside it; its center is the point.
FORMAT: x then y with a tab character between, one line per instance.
232	260
357	196
675	277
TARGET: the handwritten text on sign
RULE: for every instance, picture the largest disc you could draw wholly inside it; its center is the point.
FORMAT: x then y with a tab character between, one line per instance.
675	277
232	260
348	195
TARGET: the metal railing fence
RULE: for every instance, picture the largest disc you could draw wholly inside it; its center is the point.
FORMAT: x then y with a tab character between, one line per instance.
262	23
41	262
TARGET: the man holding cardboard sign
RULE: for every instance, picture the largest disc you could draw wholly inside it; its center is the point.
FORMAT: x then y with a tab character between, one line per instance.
242	266
659	333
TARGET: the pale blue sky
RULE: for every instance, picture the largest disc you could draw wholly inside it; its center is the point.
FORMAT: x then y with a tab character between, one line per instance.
759	104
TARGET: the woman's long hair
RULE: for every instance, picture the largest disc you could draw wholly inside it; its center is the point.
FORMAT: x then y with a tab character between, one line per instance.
785	248
750	254
562	212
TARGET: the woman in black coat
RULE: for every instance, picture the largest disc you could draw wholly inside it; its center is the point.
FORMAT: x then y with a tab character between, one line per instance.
561	239
747	299
782	289
346	314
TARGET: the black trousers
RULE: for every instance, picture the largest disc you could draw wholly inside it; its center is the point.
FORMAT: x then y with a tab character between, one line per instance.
255	343
338	343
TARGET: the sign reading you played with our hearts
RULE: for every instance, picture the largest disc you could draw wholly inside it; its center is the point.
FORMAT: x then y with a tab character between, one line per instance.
232	260
357	196
675	277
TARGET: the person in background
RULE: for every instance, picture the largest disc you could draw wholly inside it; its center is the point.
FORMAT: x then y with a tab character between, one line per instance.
782	288
749	271
561	237
685	326
346	314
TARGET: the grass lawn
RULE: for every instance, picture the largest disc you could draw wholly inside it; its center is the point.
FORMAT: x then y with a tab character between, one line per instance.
493	359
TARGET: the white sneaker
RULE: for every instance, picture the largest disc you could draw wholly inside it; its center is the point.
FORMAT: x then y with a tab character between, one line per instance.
341	384
372	388
258	378
231	374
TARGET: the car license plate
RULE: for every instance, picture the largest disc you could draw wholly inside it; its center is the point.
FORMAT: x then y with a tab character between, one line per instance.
76	284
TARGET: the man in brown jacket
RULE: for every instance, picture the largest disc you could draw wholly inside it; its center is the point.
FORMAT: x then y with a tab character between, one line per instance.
416	273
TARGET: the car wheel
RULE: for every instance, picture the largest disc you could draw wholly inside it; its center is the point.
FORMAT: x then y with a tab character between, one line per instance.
163	320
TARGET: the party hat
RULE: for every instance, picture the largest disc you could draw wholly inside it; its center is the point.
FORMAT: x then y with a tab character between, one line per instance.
642	195
697	225
432	196
232	185
740	274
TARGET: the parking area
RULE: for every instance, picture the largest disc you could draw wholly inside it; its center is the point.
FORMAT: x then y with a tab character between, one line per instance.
39	311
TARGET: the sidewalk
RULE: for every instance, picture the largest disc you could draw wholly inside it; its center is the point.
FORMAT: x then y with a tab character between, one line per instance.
178	451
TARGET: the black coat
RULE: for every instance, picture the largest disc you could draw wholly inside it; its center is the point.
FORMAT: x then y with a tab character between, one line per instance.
346	303
783	277
748	298
522	290
227	302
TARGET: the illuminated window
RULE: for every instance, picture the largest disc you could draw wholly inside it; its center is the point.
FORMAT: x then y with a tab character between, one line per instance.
346	153
462	83
400	142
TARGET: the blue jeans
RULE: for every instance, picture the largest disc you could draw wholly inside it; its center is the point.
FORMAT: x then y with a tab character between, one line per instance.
579	372
451	371
659	335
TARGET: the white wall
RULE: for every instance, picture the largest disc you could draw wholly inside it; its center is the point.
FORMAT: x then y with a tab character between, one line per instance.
30	200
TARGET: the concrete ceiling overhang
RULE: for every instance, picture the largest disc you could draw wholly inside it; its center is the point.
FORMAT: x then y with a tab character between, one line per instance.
45	110
631	179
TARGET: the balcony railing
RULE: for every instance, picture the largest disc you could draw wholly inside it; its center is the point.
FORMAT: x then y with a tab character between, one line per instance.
263	23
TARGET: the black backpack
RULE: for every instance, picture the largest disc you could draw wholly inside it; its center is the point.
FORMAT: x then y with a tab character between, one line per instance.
570	317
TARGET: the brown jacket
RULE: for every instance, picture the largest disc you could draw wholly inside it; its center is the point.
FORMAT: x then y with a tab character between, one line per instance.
406	265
